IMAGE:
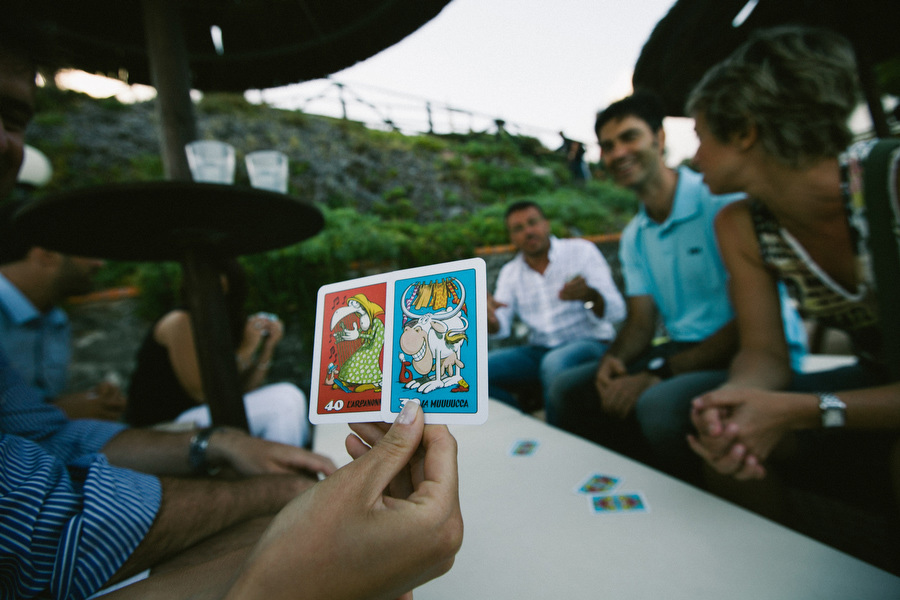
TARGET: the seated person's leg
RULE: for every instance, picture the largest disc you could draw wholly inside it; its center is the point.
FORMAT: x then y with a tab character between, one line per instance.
853	465
562	358
663	413
573	403
278	412
513	370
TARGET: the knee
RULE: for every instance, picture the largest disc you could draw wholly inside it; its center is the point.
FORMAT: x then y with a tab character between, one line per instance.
570	393
284	398
551	368
660	416
562	389
288	390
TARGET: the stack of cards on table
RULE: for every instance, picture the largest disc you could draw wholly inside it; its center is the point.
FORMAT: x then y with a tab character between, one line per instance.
599	489
414	334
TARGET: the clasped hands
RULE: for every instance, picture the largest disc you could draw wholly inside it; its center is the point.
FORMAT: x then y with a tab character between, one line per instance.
104	401
576	289
618	390
263	325
738	429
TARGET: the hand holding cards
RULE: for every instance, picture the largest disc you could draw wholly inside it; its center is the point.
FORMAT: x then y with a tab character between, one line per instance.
413	334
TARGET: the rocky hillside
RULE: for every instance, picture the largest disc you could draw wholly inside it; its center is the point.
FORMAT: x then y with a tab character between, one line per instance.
384	183
333	163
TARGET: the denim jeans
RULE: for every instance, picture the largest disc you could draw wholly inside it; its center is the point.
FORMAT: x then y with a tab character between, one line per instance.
664	415
525	368
575	407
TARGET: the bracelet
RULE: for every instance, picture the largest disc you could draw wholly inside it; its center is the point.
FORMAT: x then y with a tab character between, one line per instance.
197	451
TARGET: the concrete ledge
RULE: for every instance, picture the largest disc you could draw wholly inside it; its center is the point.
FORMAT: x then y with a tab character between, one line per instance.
813	363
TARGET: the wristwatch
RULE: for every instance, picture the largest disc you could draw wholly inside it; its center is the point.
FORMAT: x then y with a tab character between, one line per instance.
197	451
660	367
833	410
589	305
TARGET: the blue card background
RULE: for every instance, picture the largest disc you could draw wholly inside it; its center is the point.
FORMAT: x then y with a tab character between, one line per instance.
467	400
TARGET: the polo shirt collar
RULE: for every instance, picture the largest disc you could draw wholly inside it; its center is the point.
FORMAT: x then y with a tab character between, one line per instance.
685	205
20	309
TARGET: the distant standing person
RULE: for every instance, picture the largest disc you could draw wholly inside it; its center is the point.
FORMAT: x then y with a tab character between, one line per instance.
563	290
574	152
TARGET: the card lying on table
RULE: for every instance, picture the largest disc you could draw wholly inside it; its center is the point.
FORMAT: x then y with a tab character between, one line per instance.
418	333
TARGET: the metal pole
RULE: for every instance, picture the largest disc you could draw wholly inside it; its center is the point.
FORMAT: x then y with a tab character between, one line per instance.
170	73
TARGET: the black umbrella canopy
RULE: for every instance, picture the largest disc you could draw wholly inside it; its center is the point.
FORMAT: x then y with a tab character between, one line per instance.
696	34
265	43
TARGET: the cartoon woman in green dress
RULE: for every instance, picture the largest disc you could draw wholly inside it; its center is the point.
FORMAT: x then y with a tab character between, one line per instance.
361	372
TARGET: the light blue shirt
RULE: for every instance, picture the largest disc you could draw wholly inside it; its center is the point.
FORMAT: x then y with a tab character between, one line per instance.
677	262
37	344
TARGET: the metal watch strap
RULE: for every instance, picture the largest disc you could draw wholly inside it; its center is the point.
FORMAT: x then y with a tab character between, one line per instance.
197	451
832	410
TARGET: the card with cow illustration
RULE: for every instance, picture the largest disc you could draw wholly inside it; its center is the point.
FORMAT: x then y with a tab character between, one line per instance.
412	334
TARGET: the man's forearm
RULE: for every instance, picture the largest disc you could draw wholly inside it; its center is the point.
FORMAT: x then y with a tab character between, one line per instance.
715	352
192	510
633	338
150	451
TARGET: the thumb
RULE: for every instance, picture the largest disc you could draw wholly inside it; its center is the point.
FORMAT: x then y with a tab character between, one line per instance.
392	452
719	398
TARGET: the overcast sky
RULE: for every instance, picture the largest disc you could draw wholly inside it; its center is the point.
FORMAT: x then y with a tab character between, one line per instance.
546	65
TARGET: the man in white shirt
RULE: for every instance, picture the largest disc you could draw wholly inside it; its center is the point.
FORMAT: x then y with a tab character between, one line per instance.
563	290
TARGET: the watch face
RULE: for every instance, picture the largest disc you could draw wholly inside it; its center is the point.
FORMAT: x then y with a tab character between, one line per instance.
833	417
656	363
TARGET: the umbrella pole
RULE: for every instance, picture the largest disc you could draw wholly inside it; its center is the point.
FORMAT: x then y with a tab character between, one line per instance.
869	84
215	348
170	73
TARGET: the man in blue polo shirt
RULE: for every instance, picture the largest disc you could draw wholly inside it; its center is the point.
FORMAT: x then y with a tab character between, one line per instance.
34	331
674	275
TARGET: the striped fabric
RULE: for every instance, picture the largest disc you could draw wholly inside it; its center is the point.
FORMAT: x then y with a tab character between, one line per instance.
68	519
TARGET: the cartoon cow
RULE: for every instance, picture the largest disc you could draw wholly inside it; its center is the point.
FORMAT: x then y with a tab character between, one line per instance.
432	342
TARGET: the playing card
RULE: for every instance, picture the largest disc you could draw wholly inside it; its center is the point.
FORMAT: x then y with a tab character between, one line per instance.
631	502
597	483
348	369
417	333
524	448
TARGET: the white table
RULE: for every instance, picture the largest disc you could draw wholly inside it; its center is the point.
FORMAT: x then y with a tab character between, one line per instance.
528	535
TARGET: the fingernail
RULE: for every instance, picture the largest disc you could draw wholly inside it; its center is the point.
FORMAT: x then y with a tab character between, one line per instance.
408	414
